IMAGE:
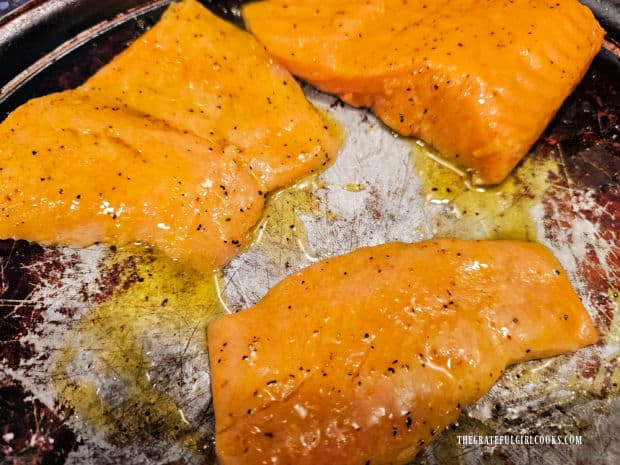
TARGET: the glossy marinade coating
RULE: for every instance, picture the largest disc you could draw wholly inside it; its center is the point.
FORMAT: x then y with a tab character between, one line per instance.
175	142
479	80
366	357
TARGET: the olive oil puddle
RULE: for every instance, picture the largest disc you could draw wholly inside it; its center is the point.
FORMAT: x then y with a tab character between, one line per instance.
280	234
354	187
111	370
107	372
504	212
551	388
470	212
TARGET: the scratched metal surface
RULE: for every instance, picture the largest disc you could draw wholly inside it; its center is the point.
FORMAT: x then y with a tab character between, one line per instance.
48	293
8	5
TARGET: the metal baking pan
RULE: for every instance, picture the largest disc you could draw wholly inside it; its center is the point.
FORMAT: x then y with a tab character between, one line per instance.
74	390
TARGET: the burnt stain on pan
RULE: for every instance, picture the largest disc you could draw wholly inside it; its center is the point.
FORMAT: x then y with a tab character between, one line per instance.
585	138
32	434
18	314
121	274
588	132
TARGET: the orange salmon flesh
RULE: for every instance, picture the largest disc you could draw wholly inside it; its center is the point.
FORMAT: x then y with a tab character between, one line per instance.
176	142
366	357
480	81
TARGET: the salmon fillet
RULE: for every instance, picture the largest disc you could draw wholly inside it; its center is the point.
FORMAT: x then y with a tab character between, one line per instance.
175	142
478	80
364	358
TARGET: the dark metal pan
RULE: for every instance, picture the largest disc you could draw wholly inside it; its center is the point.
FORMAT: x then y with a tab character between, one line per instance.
48	292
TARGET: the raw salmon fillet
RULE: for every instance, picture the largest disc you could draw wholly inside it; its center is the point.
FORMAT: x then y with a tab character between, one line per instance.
366	357
175	142
477	80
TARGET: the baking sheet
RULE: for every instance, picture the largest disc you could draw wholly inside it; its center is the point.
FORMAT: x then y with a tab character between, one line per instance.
94	372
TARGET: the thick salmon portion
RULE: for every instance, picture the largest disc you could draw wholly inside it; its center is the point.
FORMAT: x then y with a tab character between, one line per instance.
203	75
478	80
175	142
364	358
75	171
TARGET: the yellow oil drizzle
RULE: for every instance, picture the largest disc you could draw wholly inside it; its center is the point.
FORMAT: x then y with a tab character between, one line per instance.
504	212
281	231
354	187
192	299
154	294
334	127
497	212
